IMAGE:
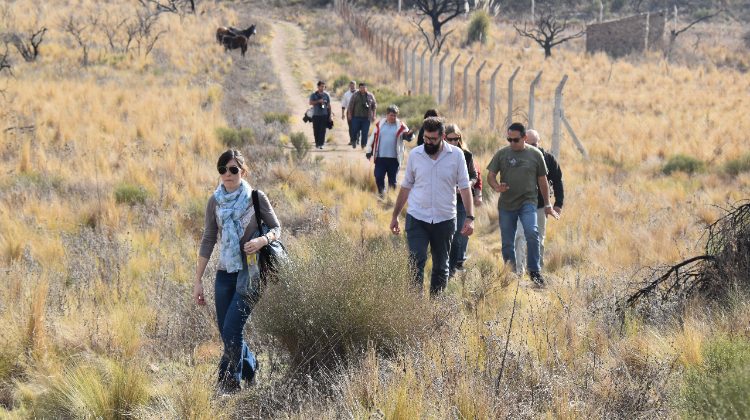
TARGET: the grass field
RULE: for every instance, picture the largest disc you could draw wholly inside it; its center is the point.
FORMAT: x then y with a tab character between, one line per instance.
104	173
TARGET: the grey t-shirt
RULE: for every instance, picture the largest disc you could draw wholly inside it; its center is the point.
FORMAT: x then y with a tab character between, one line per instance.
387	140
321	109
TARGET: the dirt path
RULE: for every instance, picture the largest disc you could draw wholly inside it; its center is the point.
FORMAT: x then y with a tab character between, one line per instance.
291	64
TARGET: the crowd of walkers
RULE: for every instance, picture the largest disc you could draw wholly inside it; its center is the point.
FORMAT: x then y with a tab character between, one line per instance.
442	186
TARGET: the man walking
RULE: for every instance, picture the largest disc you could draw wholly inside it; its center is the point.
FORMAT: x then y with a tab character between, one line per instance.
361	112
433	172
522	170
387	146
321	103
346	98
554	176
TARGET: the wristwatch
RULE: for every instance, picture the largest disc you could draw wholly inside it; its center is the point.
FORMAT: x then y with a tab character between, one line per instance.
549	206
470	217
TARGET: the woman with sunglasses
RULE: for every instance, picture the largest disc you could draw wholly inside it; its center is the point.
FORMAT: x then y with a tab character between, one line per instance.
230	220
460	243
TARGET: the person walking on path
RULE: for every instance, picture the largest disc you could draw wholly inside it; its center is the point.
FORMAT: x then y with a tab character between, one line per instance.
386	145
346	98
322	116
432	173
522	170
460	242
361	112
554	176
230	221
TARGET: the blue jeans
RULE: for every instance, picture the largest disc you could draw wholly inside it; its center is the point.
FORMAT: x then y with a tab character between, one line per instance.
359	127
385	166
508	220
232	311
460	242
438	236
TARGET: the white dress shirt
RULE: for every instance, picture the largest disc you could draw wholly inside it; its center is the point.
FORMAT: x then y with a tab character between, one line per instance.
433	183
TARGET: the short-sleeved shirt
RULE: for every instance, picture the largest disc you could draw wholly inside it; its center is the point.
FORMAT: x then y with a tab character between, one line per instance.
388	142
520	170
346	98
321	109
433	182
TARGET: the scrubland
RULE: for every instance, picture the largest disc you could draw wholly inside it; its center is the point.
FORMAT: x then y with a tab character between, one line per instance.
105	169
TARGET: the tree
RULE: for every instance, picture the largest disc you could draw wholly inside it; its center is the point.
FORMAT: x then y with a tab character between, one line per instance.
28	48
548	32
81	31
674	32
439	12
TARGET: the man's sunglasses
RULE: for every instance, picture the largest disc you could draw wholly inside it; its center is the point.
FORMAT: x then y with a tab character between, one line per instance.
514	140
234	170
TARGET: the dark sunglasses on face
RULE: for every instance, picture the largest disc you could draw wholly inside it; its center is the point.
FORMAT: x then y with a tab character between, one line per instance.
514	140
452	139
234	170
431	139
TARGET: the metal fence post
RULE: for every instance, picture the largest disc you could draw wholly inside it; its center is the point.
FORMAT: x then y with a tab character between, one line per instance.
478	87
441	77
430	77
509	117
413	69
452	93
405	59
466	87
532	88
492	96
557	118
421	70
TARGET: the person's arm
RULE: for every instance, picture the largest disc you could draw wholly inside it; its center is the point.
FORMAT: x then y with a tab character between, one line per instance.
312	101
500	187
403	195
471	169
373	108
468	201
555	175
544	189
208	241
350	108
267	216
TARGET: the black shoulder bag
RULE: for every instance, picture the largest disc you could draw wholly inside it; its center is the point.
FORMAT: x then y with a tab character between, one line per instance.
271	255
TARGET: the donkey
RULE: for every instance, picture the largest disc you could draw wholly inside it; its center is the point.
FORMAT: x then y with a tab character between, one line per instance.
231	42
223	31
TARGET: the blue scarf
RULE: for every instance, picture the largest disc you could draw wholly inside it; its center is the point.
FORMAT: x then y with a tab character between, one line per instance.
230	208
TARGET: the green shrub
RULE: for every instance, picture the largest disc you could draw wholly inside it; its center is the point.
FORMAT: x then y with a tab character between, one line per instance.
482	142
130	194
301	145
409	106
736	166
478	27
683	163
279	117
721	386
337	295
341	82
235	138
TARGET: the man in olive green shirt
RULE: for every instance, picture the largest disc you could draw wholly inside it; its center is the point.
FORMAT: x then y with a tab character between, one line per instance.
522	170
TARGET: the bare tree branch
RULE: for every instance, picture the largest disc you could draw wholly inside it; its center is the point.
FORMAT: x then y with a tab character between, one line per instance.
674	32
439	12
5	61
547	32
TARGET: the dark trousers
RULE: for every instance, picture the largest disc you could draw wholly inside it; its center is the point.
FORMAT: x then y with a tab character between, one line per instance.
460	242
320	123
438	236
359	128
383	167
232	311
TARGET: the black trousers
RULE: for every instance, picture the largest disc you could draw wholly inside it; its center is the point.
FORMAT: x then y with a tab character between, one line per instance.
320	123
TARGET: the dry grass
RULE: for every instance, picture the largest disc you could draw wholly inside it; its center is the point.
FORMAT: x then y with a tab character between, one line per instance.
95	315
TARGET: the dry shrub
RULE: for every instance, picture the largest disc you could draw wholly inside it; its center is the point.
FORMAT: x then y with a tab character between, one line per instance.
338	295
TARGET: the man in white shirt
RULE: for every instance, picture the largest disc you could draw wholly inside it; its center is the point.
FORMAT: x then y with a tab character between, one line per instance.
433	172
347	97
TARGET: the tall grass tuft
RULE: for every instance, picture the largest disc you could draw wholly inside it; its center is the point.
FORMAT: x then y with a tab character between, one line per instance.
301	145
720	387
235	138
337	295
683	163
738	165
130	194
478	27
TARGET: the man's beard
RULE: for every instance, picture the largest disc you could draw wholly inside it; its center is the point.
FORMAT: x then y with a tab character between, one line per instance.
431	149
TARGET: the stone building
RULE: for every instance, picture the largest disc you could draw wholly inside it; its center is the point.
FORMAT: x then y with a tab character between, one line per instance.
624	36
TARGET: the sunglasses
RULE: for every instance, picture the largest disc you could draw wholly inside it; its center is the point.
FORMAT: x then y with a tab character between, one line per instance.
431	139
452	139
514	140
234	170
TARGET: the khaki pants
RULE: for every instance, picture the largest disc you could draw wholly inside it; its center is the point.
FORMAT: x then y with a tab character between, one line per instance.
541	222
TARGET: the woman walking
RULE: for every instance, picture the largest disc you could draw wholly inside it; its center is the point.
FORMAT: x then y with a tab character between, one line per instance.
230	220
460	243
